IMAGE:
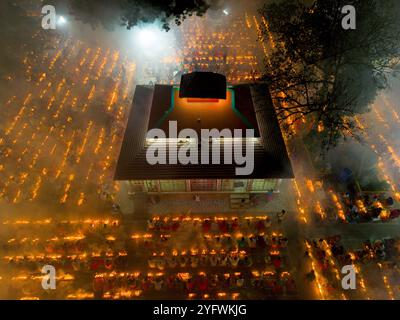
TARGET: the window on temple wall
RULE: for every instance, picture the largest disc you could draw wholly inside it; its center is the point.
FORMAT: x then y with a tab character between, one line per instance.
173	185
203	185
263	184
240	185
227	185
136	186
258	185
151	185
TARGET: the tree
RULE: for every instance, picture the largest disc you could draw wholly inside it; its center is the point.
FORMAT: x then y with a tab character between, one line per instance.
320	71
129	13
16	38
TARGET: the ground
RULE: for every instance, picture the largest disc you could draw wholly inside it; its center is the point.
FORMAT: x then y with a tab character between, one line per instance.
61	134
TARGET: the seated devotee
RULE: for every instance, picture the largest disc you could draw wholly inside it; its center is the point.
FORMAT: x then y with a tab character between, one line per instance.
98	287
217	243
274	243
283	242
235	225
152	262
76	264
346	259
277	288
252	242
247	224
260	226
190	284
170	282
206	226
323	265
291	286
202	283
242	243
378	245
337	250
96	264
223	226
260	242
394	214
254	282
172	262
267	222
320	254
222	260
381	254
267	259
240	281
277	262
183	260
213	260
194	261
234	260
204	260
247	261
160	263
227	243
109	264
214	281
146	284
389	201
158	283
281	215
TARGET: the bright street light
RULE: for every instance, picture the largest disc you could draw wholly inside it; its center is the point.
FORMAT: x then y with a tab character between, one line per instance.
62	20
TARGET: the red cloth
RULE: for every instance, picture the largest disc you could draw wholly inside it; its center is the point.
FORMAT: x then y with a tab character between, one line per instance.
108	264
235	225
260	226
206	226
277	263
98	284
96	263
223	226
175	226
394	214
190	285
203	285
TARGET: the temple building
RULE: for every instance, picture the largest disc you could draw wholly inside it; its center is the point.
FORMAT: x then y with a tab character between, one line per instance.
203	100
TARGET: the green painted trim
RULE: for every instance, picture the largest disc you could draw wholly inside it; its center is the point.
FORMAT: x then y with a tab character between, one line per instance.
237	112
171	107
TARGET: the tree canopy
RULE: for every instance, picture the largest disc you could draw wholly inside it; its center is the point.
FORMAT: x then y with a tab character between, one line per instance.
323	72
129	13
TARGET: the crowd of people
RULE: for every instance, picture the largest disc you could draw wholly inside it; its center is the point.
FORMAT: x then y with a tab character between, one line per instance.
189	285
381	250
232	51
211	224
79	249
369	207
379	258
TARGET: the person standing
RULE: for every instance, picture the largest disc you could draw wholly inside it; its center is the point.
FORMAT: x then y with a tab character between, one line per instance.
281	215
